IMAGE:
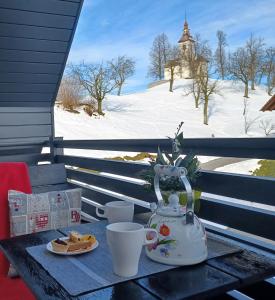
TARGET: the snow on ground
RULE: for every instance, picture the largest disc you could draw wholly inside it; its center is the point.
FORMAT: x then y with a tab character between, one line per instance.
245	167
155	113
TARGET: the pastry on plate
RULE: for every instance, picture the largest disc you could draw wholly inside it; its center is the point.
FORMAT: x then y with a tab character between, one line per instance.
75	236
60	245
75	242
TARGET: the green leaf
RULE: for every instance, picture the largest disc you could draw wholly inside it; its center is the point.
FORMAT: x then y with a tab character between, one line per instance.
178	161
175	150
190	162
160	159
180	139
170	159
164	242
187	160
154	226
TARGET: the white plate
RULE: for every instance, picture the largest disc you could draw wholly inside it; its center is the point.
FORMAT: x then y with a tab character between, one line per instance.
50	248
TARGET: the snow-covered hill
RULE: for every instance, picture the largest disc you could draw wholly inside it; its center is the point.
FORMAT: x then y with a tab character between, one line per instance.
156	113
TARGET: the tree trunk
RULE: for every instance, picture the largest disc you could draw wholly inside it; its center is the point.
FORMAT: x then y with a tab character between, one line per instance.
119	89
246	90
171	80
260	78
99	108
196	93
171	85
159	70
205	111
197	98
253	84
197	102
222	71
269	89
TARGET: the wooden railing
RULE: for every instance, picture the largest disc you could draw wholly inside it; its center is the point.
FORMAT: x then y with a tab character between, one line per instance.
99	188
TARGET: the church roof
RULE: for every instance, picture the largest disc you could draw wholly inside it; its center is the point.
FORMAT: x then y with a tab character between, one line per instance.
185	38
270	104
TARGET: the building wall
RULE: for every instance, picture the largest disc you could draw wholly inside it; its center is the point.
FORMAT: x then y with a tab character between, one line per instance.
180	72
183	70
35	38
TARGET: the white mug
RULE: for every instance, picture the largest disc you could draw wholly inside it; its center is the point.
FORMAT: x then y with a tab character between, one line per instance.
125	241
117	211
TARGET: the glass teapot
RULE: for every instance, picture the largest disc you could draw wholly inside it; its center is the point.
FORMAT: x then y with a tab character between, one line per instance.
181	235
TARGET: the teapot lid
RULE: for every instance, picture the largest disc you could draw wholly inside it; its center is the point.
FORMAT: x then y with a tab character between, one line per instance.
173	209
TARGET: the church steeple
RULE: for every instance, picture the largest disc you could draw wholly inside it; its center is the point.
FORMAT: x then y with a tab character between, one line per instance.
186	36
185	28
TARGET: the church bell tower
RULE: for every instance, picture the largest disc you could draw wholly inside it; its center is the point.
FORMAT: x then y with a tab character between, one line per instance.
186	41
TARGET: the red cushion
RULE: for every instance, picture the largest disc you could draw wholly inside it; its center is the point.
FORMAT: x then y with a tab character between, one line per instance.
14	289
13	176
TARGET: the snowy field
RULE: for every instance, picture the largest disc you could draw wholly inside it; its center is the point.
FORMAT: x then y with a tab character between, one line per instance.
156	113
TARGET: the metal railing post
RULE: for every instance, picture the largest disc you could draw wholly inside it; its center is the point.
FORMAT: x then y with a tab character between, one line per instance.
57	151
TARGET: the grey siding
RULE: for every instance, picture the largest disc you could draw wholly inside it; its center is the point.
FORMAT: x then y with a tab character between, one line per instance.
35	39
19	125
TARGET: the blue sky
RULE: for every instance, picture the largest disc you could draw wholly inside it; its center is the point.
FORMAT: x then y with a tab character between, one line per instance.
108	28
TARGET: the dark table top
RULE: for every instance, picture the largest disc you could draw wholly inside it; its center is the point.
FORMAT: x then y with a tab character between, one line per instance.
211	278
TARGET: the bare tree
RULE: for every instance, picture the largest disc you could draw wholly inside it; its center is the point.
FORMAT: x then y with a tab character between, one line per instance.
194	89
268	126
173	65
159	56
69	93
239	67
255	54
208	86
196	55
96	79
272	83
220	56
122	67
197	59
261	75
248	121
269	69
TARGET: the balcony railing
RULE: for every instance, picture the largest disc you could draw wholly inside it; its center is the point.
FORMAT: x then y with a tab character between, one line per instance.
250	220
244	205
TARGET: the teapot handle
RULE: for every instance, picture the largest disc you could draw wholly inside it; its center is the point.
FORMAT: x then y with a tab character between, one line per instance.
175	172
161	171
189	205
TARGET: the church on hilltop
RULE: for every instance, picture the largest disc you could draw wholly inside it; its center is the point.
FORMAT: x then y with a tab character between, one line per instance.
186	46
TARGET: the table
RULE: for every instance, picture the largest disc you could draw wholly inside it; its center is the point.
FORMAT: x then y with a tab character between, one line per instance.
217	275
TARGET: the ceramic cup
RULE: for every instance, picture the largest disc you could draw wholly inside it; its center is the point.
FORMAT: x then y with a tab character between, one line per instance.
117	211
125	241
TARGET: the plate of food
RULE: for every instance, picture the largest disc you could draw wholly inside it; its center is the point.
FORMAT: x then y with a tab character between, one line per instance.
73	244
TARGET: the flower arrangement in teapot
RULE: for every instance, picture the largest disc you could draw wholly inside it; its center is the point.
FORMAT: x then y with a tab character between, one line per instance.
181	236
172	185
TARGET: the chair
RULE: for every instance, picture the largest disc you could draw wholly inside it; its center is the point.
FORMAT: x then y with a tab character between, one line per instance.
44	178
